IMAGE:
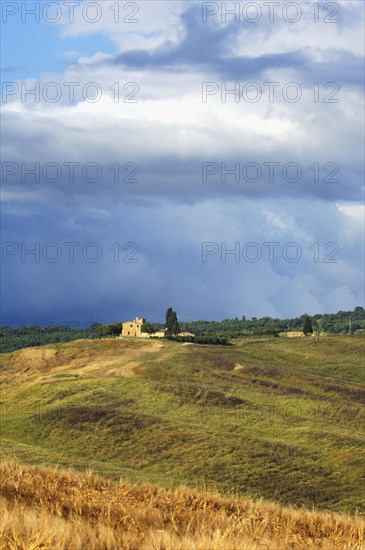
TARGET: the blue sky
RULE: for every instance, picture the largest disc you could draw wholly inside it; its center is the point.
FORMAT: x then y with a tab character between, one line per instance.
146	193
30	49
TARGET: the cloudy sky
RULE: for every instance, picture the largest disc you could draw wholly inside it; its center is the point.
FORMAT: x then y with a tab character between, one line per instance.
202	155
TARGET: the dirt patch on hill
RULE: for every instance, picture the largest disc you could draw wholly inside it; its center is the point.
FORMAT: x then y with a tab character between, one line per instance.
156	346
32	357
83	358
239	366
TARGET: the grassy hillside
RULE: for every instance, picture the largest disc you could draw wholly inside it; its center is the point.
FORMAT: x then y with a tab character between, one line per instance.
275	418
54	509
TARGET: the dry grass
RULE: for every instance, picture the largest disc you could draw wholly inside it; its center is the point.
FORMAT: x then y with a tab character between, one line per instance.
87	358
53	509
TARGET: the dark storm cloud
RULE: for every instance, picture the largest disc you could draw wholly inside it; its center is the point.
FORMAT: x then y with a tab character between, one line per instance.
206	47
170	267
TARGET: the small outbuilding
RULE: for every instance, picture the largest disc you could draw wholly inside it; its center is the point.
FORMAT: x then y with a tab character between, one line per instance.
292	334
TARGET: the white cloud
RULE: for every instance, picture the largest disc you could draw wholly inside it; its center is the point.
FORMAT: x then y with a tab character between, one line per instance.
132	25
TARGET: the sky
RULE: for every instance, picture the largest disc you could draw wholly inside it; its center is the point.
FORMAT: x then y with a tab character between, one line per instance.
206	156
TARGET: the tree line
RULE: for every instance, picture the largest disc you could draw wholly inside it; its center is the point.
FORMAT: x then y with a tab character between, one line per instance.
342	322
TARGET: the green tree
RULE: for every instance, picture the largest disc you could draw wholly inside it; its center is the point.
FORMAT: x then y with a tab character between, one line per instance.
318	325
168	315
307	327
113	329
175	326
147	327
172	324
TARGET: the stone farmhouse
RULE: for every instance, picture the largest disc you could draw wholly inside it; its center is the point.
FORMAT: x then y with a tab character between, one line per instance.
133	329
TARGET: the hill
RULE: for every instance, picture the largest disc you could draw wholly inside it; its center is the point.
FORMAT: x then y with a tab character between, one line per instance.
271	418
55	509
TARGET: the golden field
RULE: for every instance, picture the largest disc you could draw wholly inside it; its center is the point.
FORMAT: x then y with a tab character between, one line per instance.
48	508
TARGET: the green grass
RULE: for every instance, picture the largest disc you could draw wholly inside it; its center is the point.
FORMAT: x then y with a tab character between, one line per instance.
286	426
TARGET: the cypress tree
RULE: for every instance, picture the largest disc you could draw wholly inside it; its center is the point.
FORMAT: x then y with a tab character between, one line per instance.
307	327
